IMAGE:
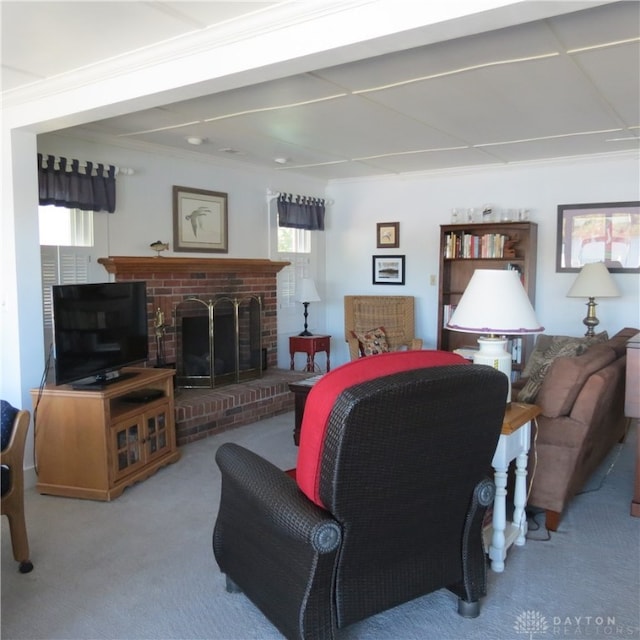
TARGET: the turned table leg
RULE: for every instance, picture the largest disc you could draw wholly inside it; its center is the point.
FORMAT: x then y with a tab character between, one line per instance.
520	498
497	551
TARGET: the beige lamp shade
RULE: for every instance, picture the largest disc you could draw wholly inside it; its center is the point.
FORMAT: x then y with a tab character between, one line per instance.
594	281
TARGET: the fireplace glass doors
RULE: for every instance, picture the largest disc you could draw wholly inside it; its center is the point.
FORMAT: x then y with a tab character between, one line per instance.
218	342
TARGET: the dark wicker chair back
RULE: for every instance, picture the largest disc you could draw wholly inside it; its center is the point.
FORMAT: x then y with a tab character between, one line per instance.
404	477
402	457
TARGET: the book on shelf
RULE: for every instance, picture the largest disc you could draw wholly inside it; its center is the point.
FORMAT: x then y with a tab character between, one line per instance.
514	346
468	245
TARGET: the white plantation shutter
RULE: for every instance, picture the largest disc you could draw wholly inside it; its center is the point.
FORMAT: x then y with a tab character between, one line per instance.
49	264
289	276
62	265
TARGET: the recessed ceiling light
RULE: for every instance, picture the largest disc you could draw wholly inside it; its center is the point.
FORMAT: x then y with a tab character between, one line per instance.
281	160
195	140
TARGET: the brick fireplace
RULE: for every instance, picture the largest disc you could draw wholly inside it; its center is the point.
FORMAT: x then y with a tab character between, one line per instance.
171	281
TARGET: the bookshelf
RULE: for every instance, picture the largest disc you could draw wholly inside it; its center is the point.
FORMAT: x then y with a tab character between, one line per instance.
467	247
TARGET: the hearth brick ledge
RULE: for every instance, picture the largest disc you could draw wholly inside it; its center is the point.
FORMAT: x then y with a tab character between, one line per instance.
204	412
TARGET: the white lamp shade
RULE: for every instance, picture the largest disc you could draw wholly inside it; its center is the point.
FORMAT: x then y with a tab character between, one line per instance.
594	281
306	291
495	302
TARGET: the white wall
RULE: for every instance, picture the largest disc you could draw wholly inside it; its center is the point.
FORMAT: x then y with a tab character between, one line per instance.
422	203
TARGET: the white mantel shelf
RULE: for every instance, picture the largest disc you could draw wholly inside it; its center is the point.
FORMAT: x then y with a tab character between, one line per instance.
161	264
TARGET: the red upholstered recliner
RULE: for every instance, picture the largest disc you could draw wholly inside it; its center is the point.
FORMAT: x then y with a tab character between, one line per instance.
388	500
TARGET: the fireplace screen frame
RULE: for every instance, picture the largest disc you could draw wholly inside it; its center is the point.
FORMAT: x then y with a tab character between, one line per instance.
246	314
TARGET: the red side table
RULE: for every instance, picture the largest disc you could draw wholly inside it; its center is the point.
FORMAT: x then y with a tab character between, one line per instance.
310	345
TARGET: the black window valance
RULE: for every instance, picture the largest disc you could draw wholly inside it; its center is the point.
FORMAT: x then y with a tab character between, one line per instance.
74	188
300	212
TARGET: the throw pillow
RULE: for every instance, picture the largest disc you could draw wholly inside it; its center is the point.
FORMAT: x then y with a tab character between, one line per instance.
546	341
570	347
546	350
372	342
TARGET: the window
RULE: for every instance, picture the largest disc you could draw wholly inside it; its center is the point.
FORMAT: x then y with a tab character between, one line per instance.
60	226
294	240
294	246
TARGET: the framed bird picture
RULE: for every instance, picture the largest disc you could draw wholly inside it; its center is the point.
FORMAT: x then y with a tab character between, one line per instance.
388	235
200	221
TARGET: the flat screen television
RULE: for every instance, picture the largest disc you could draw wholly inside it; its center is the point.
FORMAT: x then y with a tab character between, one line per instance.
97	330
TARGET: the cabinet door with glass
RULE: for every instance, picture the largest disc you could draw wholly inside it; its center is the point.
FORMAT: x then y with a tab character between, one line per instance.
128	447
157	441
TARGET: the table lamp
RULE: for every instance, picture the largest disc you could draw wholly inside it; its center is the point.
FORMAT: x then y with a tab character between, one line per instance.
495	305
593	281
306	292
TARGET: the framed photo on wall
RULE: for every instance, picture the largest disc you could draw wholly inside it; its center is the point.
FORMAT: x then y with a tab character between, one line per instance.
388	269
388	235
200	220
607	232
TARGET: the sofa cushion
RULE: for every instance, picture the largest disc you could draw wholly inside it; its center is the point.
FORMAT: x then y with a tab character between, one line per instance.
324	393
567	375
547	349
545	341
618	342
372	342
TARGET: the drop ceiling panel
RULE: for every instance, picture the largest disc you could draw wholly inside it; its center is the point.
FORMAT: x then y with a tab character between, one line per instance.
346	170
349	126
427	161
563	147
139	121
444	57
293	90
616	21
622	88
259	149
536	98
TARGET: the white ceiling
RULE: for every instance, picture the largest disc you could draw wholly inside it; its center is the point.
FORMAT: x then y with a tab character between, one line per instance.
567	85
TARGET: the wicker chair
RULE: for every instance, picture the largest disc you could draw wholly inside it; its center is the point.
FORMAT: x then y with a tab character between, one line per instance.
15	425
394	313
395	507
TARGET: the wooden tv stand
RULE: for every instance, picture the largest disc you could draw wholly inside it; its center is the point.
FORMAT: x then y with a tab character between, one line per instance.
94	444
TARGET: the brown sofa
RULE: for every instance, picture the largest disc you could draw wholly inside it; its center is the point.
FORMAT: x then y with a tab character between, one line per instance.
582	402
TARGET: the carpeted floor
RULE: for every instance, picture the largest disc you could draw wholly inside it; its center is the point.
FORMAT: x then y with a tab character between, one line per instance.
142	566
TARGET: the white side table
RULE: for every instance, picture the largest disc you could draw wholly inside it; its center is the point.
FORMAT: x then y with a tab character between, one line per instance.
513	444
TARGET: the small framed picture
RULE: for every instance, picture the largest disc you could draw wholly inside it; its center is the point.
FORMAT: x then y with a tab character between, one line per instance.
388	269
200	220
388	235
